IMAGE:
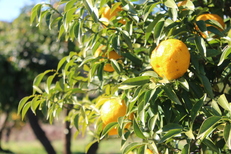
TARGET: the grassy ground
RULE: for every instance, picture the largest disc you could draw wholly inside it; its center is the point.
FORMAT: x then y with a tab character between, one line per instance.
110	146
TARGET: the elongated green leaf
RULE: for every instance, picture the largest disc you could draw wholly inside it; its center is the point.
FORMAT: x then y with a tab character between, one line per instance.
171	133
227	135
22	102
207	124
171	94
115	65
202	27
61	62
137	81
200	44
127	39
216	108
91	9
170	3
69	5
35	103
224	55
132	146
171	126
209	143
158	30
25	109
35	12
100	71
223	102
186	149
196	108
133	58
137	130
108	128
152	122
207	85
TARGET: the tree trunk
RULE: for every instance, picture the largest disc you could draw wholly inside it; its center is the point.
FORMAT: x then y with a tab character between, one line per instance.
39	133
68	134
3	125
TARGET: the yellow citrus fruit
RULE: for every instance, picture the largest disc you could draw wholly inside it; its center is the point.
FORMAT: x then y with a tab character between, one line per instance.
109	55
147	151
109	15
182	3
170	59
111	110
209	16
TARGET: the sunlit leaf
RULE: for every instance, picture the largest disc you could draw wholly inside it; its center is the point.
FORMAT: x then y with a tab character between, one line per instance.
207	124
224	55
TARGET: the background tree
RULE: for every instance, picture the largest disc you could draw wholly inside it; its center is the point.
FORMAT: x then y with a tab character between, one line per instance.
181	115
25	52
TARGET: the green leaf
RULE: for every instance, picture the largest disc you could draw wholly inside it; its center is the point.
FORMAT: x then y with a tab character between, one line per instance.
171	133
35	12
25	109
215	31
227	135
170	3
137	130
115	65
207	85
22	102
186	149
171	126
152	122
132	146
216	108
158	30
100	71
35	103
108	128
209	143
196	108
223	102
69	5
207	124
224	55
127	39
137	81
202	27
133	58
76	121
200	44
171	94
91	9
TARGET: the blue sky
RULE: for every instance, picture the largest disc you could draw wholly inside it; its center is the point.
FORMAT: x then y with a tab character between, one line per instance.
10	9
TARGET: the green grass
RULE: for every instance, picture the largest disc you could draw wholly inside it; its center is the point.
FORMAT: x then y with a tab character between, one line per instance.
107	146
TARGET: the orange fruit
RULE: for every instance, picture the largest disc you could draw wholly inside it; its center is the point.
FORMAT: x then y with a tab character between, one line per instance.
209	16
111	110
170	59
109	55
182	3
147	151
110	15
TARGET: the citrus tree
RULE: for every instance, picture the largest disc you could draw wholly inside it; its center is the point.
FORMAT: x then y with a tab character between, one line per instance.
156	74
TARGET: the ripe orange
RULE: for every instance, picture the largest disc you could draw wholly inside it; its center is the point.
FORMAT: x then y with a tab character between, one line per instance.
110	55
209	16
170	59
111	110
148	151
110	15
